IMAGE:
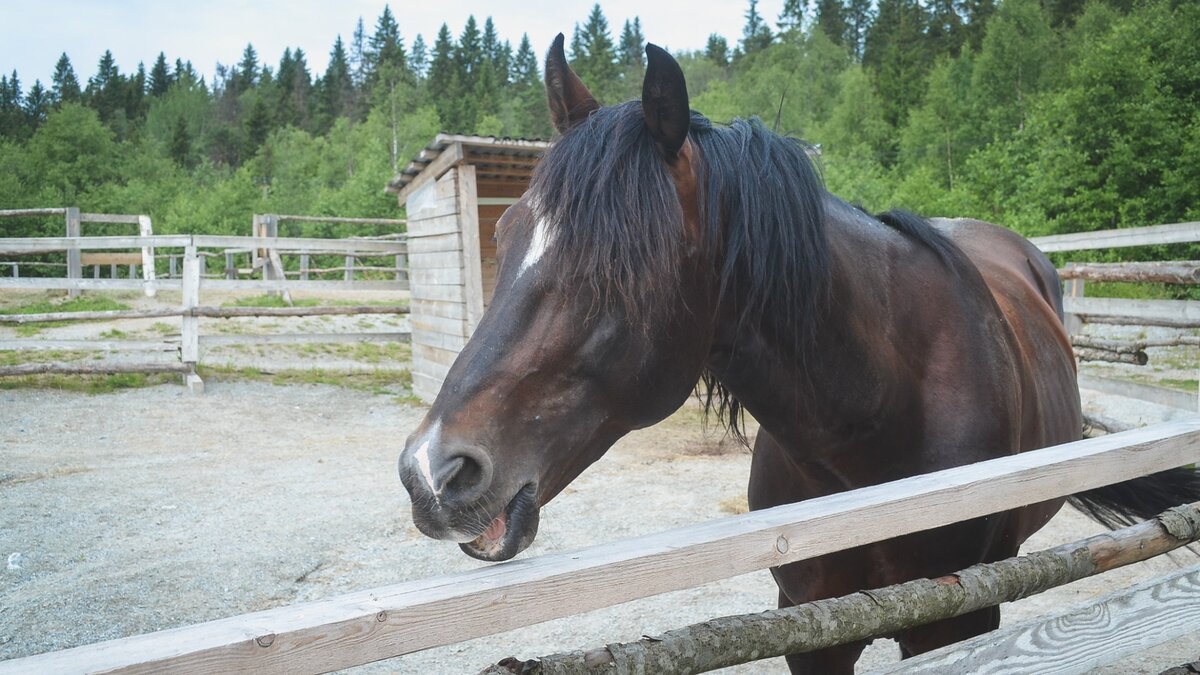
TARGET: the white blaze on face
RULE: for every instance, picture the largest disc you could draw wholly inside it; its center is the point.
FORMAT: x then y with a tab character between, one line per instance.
537	246
422	456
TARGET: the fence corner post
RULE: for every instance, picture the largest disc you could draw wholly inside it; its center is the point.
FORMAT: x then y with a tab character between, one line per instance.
149	271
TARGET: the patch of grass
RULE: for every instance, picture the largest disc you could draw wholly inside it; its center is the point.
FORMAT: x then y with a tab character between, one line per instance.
32	329
16	358
163	328
382	382
114	334
734	505
1186	385
270	301
87	303
88	384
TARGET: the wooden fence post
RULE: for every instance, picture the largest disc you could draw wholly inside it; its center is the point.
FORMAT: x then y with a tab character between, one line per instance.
1074	290
230	269
303	267
349	274
189	348
172	270
74	261
401	268
149	272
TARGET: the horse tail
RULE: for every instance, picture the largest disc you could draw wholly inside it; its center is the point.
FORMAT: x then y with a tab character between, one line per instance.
1115	506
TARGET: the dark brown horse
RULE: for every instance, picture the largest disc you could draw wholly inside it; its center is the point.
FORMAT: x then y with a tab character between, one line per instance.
653	250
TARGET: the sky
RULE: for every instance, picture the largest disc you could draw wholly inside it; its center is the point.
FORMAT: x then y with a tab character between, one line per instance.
34	34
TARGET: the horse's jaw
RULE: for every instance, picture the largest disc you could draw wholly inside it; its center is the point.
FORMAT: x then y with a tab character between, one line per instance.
510	532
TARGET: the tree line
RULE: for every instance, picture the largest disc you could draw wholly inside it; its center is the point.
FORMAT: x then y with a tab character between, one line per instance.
1045	115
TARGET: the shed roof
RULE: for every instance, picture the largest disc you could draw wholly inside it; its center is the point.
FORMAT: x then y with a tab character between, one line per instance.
494	159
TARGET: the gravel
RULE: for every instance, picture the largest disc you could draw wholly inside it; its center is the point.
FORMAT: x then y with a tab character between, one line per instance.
147	509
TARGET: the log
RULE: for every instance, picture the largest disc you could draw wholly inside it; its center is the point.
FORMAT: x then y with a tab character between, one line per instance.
1162	322
212	312
734	640
31	212
1138	358
90	369
1164	272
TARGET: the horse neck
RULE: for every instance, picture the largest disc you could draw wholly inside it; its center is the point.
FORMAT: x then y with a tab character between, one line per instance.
835	382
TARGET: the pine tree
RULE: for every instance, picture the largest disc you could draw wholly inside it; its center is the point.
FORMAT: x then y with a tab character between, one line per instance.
527	104
37	105
470	51
245	76
160	77
295	90
756	35
418	57
442	81
105	91
597	62
385	55
358	55
945	27
632	51
717	50
180	149
858	20
258	126
135	94
897	57
64	85
12	112
791	19
832	21
975	15
337	89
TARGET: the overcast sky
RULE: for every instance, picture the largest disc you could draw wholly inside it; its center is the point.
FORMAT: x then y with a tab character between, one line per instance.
34	34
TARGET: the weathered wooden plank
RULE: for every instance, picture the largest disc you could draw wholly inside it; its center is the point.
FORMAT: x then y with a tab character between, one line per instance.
450	241
437	293
111	259
296	285
382	622
1163	272
1174	233
438	210
39	344
13	244
433	369
453	343
426	387
1174	310
298	244
338	219
108	218
74	264
1172	398
89	369
61	283
17	213
428	260
302	338
1079	639
445	309
451	327
445	357
111	315
189	326
469	218
438	276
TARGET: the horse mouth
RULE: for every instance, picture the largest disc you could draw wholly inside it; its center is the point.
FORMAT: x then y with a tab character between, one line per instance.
510	532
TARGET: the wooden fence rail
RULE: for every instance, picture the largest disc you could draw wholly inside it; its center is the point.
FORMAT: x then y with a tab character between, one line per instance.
379	623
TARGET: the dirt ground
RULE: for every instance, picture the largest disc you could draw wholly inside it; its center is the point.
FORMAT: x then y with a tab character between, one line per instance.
146	509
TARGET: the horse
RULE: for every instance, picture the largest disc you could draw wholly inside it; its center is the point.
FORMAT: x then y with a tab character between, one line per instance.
656	254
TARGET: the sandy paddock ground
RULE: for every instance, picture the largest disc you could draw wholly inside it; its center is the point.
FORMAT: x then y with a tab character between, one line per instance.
149	508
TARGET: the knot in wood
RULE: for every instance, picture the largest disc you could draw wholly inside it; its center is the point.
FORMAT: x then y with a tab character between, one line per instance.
265	640
781	544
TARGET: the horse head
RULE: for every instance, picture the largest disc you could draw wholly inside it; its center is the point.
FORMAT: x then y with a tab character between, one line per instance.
600	322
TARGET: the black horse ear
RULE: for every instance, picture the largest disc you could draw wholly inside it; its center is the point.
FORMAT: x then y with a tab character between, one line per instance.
665	100
570	101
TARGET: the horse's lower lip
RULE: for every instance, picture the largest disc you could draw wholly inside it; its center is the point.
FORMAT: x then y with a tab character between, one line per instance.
507	534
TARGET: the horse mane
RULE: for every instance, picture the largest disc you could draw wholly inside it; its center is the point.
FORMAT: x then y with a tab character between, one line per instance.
618	228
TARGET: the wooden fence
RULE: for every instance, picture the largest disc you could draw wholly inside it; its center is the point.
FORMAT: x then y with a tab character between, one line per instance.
190	284
380	623
1080	309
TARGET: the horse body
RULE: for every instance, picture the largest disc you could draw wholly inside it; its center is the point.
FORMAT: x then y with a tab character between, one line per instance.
653	250
922	364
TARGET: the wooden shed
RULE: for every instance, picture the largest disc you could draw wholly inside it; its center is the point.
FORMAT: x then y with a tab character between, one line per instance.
455	190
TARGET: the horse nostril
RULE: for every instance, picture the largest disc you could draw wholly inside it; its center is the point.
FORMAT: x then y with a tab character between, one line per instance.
458	477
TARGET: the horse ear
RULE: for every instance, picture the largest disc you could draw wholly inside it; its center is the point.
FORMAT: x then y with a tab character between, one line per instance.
570	101
665	101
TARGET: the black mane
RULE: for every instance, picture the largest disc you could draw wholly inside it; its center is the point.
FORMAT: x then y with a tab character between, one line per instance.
619	228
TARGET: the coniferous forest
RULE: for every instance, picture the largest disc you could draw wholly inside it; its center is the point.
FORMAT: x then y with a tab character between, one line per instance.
1045	115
